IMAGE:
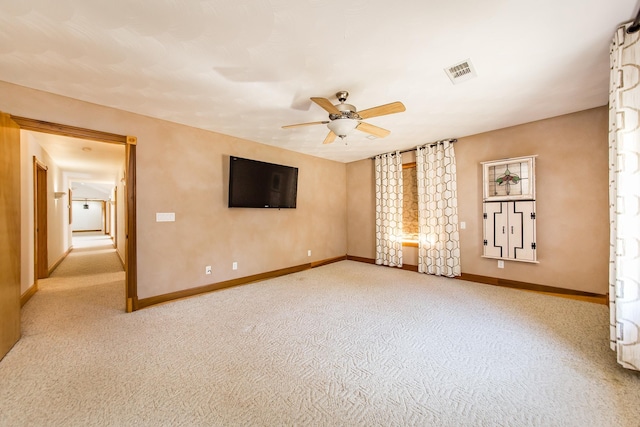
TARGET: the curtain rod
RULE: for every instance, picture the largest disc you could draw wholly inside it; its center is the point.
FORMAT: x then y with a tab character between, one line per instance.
452	140
636	24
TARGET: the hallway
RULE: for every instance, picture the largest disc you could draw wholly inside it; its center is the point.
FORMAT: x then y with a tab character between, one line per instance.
89	282
70	333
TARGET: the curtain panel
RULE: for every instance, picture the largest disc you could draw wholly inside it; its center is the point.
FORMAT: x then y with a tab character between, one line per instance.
388	173
439	240
624	197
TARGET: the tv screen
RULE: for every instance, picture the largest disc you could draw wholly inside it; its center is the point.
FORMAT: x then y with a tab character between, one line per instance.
254	184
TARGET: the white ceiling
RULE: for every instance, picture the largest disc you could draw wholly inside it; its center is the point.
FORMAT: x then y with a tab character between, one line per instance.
245	68
91	167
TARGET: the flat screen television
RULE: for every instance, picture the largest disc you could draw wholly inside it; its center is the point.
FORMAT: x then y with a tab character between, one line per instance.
255	184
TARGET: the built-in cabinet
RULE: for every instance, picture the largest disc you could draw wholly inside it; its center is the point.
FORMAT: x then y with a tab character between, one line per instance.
509	209
510	230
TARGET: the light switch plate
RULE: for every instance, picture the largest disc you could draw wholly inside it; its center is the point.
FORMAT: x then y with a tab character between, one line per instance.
165	216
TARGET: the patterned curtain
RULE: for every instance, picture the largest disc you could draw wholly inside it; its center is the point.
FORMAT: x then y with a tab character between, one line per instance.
389	209
439	241
624	197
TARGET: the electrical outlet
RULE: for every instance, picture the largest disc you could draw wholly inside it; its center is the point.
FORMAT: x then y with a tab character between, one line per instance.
500	264
207	269
234	266
309	252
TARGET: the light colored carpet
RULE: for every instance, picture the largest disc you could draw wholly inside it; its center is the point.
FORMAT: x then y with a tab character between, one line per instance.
344	344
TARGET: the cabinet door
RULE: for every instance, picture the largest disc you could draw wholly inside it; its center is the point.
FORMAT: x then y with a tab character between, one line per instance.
509	230
495	230
522	230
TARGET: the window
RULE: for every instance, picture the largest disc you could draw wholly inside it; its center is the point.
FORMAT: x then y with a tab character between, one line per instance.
409	205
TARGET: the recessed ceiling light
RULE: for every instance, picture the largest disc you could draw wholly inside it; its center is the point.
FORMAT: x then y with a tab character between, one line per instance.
87	149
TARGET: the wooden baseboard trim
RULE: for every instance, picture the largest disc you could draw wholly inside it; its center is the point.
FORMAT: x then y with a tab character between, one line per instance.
361	259
549	290
373	261
24	298
121	259
543	289
59	261
147	302
328	261
161	299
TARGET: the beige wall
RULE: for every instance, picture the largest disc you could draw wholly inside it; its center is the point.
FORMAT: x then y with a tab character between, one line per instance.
361	214
572	201
184	170
57	214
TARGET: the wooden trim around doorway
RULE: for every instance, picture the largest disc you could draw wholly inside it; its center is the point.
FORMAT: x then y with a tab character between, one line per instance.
131	302
131	257
66	130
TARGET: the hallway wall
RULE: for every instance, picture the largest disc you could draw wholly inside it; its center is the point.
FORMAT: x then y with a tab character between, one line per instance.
90	219
58	241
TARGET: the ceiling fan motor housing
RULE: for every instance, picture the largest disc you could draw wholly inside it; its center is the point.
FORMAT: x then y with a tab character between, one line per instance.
347	111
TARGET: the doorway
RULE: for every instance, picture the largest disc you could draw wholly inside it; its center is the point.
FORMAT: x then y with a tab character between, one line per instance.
41	257
129	197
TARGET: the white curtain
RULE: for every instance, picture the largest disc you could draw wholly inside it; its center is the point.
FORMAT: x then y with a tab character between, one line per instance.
439	240
624	197
389	209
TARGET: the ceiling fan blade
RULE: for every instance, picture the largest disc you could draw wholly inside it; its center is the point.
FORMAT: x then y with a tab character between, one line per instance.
326	105
330	138
373	130
305	124
382	110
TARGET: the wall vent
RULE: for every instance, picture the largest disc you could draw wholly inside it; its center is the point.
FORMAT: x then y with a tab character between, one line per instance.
461	72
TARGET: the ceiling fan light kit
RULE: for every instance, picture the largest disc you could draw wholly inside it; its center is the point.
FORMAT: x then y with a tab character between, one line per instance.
344	118
342	127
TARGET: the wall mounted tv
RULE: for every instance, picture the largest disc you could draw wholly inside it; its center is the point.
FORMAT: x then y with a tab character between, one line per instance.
255	184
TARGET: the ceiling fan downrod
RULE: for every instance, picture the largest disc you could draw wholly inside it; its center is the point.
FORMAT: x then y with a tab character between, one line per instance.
342	96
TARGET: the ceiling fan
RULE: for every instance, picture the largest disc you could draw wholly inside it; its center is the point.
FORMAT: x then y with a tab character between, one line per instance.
344	118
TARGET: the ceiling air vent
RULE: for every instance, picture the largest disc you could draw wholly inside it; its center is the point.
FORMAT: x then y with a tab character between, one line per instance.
461	72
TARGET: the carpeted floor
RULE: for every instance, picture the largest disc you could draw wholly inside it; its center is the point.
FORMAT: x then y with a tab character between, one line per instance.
347	344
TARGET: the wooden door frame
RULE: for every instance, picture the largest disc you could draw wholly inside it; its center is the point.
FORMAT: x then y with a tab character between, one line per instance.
10	243
40	222
114	212
103	207
129	142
